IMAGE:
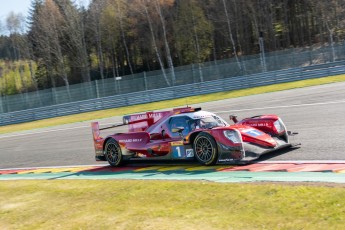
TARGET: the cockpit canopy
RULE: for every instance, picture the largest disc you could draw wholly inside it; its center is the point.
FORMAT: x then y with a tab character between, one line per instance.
198	120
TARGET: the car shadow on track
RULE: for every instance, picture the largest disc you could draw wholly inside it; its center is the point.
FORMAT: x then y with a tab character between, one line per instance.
141	170
277	153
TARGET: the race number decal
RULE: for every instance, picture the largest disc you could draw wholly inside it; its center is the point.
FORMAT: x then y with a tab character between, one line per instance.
178	151
181	151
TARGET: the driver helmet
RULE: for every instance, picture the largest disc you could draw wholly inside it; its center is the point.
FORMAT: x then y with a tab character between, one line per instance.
178	124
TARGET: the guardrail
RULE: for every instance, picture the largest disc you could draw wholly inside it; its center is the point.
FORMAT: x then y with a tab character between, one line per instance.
225	84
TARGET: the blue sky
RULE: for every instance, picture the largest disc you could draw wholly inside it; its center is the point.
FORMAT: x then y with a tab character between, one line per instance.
19	6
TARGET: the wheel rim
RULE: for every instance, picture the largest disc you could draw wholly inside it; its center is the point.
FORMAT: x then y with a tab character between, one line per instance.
203	149
112	153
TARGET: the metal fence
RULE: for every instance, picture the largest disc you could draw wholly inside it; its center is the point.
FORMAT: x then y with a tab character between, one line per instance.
196	73
180	91
144	87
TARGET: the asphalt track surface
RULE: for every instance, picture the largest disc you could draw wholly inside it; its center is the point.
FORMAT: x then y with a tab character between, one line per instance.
317	113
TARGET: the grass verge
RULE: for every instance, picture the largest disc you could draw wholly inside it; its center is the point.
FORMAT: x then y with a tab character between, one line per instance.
167	104
130	204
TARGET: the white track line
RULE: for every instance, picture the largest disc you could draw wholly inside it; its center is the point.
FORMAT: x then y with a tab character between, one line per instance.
49	131
283	106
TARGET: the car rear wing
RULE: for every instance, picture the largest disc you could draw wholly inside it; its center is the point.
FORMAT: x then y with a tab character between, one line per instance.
141	121
96	131
136	122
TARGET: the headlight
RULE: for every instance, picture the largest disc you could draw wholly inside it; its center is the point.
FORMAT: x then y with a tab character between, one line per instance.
233	136
279	126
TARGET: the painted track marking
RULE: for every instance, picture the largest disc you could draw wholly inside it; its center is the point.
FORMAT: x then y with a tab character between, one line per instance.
256	167
283	106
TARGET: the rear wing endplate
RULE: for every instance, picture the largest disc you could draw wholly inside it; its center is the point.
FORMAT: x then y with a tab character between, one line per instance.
95	130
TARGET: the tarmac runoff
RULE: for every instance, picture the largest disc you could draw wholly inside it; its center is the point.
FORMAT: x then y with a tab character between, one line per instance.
257	172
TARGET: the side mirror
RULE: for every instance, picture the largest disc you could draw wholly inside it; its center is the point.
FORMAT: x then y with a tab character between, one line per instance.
292	133
163	134
233	118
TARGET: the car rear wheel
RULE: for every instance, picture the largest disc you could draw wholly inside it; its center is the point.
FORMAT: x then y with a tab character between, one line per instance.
113	153
205	149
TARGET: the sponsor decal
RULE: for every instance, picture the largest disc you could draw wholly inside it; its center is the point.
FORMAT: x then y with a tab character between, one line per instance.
130	140
99	152
253	132
201	114
226	160
155	116
176	143
261	124
190	152
179	151
138	117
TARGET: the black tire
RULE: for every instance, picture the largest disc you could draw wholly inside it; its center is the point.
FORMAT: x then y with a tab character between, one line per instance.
205	149
113	153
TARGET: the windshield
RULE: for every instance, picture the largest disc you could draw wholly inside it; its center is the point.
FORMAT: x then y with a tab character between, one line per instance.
210	122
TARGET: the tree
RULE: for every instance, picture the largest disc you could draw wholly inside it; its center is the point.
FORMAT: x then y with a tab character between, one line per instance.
143	9
47	34
65	44
115	23
193	34
33	46
159	10
96	9
111	39
15	26
73	30
333	19
228	21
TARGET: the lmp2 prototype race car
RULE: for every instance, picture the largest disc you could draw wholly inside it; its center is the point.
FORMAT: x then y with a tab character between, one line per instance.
191	133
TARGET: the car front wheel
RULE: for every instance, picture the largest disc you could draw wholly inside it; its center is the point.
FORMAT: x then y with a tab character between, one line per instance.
205	149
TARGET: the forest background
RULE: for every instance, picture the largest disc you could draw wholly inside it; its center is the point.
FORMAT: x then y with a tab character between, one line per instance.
61	43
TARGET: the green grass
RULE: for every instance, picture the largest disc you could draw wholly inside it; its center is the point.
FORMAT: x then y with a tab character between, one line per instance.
168	205
168	104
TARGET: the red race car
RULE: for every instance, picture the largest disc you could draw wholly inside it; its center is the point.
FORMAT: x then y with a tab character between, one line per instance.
190	133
